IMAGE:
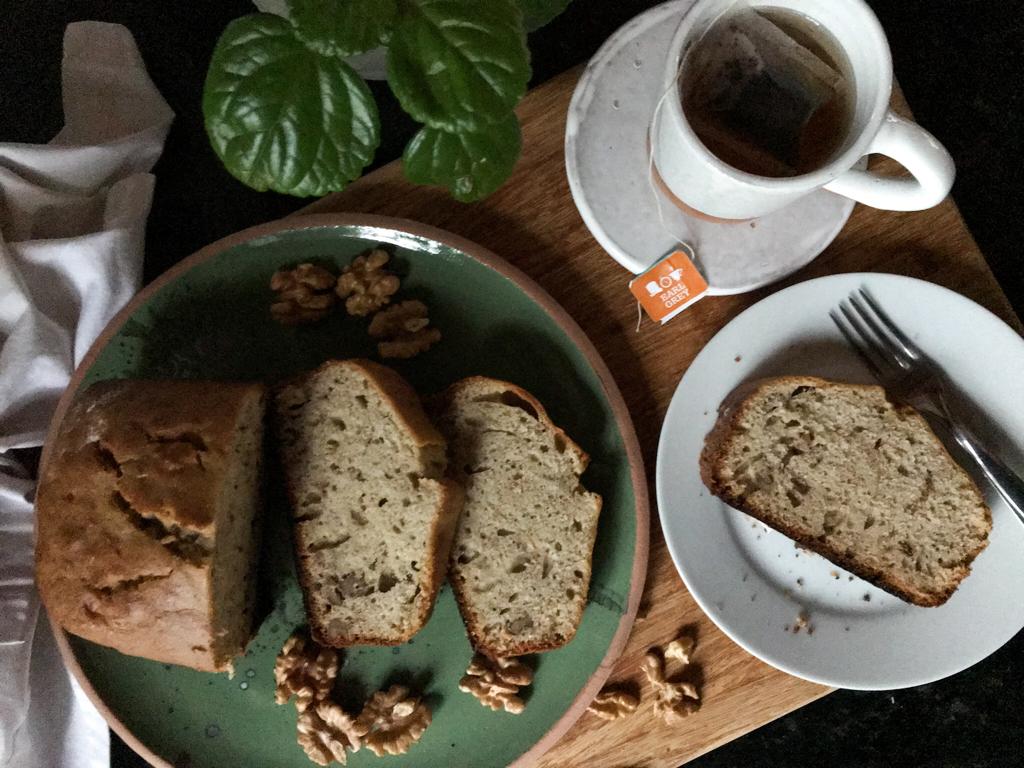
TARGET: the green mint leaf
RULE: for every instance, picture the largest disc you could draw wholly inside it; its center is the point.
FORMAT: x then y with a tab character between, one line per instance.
539	13
282	117
472	164
342	27
458	63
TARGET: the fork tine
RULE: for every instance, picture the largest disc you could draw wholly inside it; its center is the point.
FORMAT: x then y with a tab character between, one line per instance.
909	347
882	359
891	347
861	348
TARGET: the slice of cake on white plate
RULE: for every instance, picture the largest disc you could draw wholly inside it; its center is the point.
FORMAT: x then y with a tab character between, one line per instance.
848	474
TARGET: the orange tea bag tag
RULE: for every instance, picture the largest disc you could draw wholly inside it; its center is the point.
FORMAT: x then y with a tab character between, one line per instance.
670	286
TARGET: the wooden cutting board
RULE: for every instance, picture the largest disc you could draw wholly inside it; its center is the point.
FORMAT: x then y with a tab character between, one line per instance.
532	222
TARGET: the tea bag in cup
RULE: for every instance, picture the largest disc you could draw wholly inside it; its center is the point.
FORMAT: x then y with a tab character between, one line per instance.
761	93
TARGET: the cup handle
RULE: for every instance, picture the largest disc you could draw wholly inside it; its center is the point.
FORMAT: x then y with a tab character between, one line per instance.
916	150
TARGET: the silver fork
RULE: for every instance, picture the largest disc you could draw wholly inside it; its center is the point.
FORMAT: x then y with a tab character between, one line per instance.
909	375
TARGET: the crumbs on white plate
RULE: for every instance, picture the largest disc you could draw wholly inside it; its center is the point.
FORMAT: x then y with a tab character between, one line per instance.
803	622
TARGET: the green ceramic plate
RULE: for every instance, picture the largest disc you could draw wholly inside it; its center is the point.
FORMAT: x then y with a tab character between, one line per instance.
208	318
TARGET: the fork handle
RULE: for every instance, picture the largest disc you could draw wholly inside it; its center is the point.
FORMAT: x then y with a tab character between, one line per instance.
1007	482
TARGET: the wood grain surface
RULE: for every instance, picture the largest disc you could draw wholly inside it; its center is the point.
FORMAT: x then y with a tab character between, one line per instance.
532	222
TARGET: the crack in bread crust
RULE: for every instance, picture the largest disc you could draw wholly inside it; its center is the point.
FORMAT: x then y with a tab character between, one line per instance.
188	545
148	518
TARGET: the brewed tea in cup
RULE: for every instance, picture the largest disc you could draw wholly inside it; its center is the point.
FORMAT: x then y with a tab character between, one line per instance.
768	101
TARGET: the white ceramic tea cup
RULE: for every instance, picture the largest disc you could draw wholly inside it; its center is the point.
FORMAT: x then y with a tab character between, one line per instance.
708	186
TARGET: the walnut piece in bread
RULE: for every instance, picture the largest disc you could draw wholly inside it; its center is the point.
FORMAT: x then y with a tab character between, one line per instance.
148	519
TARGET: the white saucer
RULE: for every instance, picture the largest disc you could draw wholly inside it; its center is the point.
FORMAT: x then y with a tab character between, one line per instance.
753	582
607	163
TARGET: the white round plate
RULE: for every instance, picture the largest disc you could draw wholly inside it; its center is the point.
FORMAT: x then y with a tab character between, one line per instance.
608	165
754	583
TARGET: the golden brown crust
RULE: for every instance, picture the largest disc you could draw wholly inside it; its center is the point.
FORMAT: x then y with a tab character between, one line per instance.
441	536
474	624
717	445
125	515
395	390
405	404
440	402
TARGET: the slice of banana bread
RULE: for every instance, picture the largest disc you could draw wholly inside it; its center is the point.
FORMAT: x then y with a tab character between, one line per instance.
374	516
849	475
521	561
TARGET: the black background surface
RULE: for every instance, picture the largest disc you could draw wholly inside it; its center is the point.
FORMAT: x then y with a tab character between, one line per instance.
961	66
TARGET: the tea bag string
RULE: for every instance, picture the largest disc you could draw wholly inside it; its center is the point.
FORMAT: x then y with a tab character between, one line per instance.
656	194
690	236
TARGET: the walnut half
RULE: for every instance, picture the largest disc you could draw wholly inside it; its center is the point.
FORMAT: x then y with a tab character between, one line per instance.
680	649
365	284
673	699
403	330
614	702
327	733
304	294
496	682
392	721
304	670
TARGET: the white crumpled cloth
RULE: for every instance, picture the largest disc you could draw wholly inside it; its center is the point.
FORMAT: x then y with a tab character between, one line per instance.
72	226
